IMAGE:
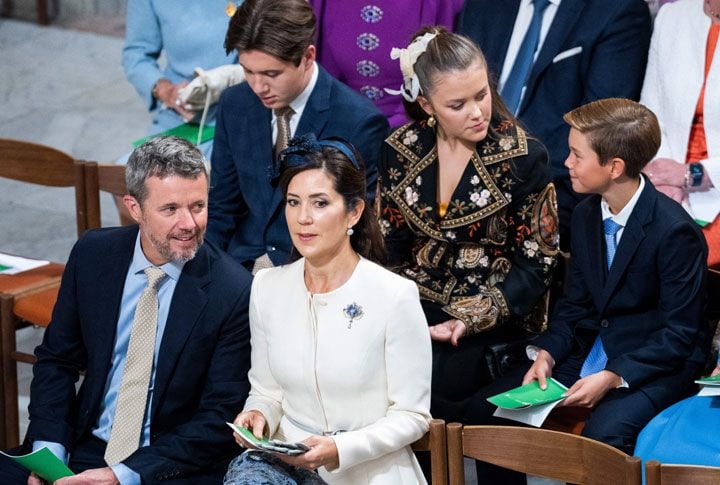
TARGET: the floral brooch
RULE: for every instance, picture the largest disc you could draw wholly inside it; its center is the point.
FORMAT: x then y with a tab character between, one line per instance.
353	312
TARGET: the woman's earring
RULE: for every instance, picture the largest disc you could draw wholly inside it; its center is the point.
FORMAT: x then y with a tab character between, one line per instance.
349	231
431	121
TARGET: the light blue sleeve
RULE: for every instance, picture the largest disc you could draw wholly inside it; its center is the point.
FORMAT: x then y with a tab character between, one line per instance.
125	475
143	44
55	448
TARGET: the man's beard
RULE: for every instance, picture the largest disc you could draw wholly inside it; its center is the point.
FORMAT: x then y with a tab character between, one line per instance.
164	248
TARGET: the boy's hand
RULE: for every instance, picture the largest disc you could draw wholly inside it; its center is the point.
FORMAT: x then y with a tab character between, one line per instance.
587	392
540	370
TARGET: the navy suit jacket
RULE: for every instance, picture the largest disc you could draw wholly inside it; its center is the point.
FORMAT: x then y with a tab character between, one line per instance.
606	43
246	217
201	377
648	308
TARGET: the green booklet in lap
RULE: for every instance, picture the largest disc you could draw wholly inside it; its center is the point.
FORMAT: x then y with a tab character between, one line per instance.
187	131
43	463
709	381
529	395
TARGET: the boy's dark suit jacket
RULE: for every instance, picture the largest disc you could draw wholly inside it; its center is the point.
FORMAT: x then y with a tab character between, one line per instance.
648	308
201	376
246	217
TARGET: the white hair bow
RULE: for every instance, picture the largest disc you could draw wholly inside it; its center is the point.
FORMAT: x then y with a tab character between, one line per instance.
410	87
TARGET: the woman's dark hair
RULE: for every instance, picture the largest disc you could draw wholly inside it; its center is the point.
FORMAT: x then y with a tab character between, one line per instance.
348	181
445	53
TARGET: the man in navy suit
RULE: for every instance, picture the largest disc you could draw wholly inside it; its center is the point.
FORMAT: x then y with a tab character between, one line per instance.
286	94
198	352
628	338
582	50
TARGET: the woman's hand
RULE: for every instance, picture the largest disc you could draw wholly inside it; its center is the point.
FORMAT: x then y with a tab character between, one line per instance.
323	452
666	171
167	92
716	370
451	331
677	194
252	420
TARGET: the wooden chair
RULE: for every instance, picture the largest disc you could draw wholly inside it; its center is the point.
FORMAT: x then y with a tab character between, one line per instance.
104	178
434	441
43	12
657	473
540	452
28	301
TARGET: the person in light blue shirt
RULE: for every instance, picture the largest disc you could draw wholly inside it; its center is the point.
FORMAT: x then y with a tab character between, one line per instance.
187	34
158	321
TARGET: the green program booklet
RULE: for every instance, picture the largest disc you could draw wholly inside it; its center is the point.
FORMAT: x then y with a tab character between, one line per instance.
529	395
187	131
529	404
43	463
709	381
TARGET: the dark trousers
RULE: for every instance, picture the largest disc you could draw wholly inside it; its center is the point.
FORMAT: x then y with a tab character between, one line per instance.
87	454
616	420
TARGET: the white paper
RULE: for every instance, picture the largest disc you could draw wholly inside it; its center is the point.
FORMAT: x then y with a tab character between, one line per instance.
17	264
709	391
533	416
704	206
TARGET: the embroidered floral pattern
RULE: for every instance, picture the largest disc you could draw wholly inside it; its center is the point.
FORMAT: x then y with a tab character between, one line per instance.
367	41
410	137
371	14
367	68
502	212
372	93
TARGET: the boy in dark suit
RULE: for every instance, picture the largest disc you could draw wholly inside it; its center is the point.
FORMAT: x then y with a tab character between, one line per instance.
628	337
286	94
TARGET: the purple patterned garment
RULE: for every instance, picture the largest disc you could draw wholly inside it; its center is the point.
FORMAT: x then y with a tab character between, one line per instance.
355	38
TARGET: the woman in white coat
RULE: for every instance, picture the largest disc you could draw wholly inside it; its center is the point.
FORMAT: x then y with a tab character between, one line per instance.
682	87
340	349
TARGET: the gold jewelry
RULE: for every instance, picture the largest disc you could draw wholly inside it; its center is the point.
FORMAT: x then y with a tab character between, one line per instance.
431	121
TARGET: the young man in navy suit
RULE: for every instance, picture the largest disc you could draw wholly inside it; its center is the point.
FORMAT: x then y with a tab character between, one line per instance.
158	322
628	337
551	56
286	94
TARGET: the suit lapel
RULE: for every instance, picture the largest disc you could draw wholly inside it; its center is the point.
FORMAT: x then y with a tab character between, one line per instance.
566	17
632	236
596	251
187	305
111	291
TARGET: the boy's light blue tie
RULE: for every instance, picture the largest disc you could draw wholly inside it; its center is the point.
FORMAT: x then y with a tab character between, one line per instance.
596	359
512	90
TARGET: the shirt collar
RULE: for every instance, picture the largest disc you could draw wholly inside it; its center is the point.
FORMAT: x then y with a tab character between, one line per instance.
623	216
298	104
139	262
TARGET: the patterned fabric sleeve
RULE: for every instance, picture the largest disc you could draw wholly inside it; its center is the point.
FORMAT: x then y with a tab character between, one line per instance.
398	235
515	293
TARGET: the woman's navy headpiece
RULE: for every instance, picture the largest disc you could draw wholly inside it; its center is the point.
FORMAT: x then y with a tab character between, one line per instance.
299	147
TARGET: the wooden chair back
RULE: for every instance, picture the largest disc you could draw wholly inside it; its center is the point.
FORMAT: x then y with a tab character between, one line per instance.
540	452
657	473
102	178
42	165
434	441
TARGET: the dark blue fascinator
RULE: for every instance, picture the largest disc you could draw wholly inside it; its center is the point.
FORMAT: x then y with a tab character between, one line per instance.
299	147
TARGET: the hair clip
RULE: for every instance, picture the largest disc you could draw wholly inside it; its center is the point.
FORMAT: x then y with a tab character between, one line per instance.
410	88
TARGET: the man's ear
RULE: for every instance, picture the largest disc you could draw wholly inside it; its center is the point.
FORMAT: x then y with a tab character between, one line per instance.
133	207
309	56
425	105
